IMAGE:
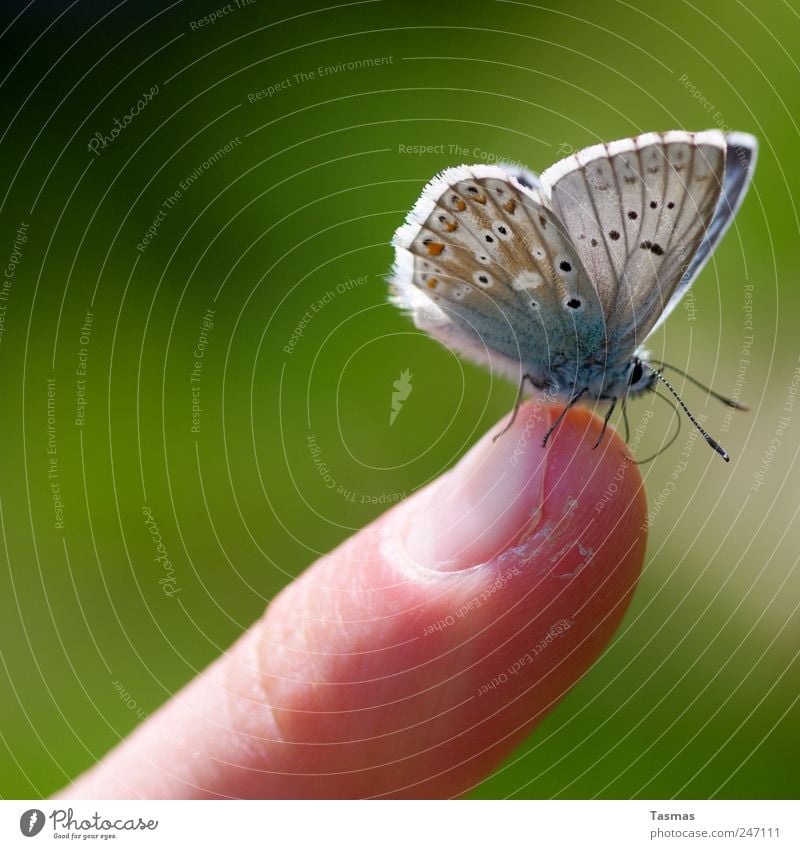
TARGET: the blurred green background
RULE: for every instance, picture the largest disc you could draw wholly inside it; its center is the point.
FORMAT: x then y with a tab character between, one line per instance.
697	696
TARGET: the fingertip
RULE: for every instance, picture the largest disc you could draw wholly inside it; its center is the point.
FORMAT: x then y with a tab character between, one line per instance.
595	520
606	477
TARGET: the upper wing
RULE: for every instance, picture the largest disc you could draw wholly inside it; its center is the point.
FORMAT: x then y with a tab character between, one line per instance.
638	210
485	265
740	161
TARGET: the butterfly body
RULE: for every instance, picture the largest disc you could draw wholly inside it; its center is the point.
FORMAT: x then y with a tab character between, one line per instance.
601	381
559	279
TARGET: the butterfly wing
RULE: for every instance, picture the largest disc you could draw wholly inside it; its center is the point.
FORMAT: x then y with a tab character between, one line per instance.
741	153
639	210
485	266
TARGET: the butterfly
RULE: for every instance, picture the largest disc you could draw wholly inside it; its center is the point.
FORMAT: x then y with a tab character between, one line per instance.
558	280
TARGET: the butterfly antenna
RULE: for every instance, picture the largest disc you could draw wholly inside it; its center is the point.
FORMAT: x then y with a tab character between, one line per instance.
737	405
674	409
709	439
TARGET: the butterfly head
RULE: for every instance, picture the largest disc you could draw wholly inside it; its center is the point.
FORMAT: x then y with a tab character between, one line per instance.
640	376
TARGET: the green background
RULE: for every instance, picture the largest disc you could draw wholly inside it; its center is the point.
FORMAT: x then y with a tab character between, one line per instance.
697	695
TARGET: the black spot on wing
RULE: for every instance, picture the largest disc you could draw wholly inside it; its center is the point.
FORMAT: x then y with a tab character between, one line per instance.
653	247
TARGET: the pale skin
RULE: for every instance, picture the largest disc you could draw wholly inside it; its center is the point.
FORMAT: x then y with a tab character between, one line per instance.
410	661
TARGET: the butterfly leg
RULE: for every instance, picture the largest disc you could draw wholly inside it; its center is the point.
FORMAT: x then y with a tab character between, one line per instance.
517	405
605	422
574	400
625	419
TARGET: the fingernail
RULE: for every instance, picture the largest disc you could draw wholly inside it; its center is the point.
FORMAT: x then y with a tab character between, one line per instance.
487	503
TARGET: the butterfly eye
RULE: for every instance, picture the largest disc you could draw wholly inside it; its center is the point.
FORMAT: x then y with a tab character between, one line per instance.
636	373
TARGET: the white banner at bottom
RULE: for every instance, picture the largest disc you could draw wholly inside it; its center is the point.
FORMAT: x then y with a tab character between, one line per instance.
403	824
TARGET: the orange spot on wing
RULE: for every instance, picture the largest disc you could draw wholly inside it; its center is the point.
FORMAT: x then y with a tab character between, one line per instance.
460	205
451	225
510	205
432	283
434	248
